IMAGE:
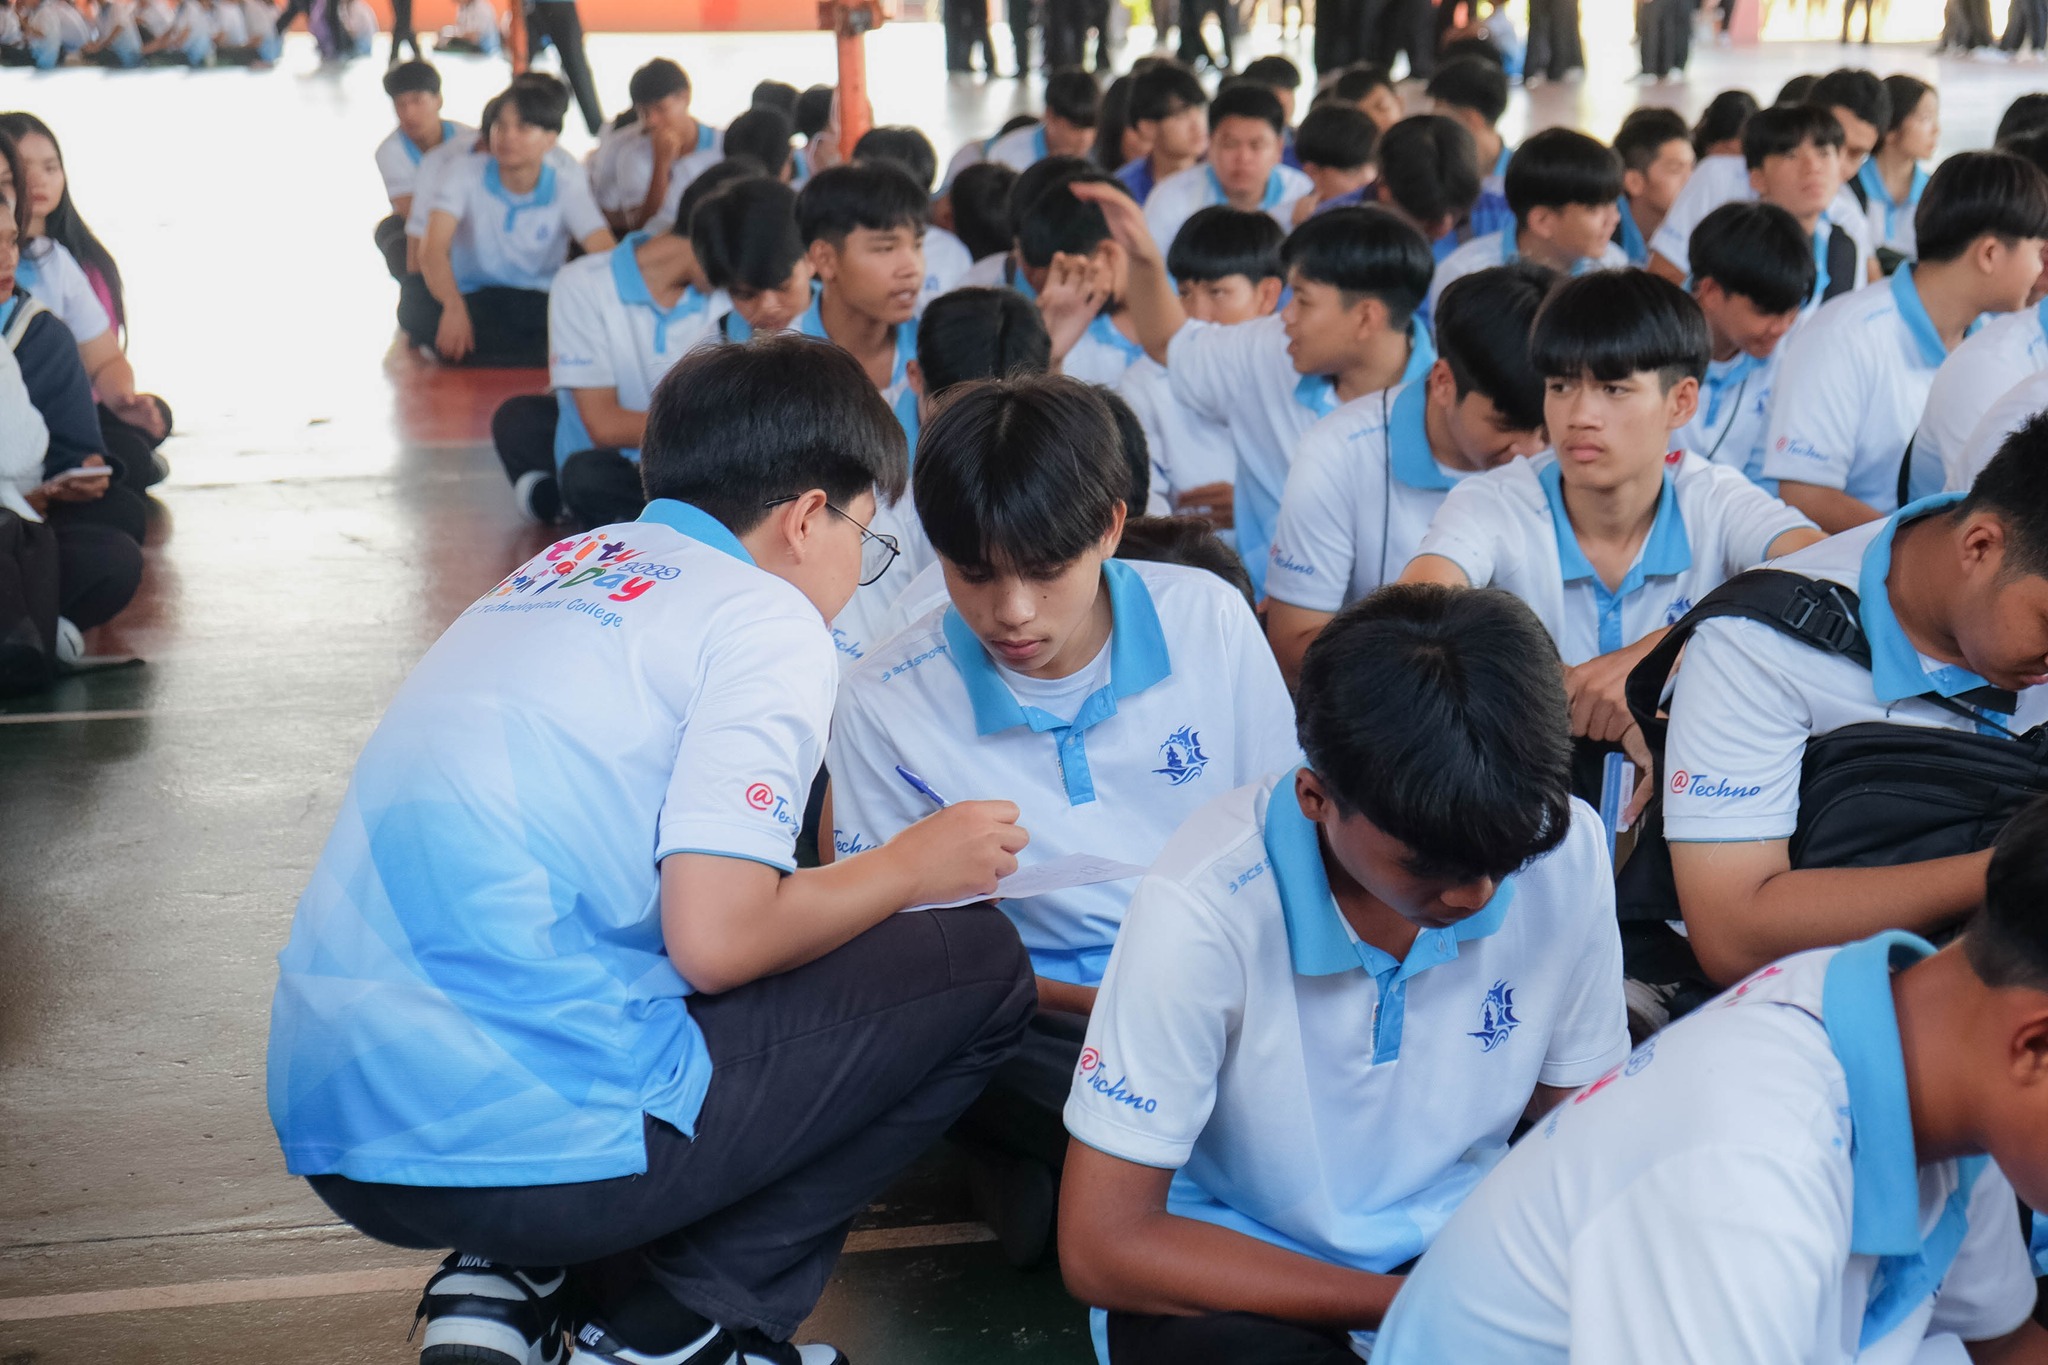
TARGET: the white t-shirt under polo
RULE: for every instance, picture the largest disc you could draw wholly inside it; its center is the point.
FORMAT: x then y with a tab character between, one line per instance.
606	332
1508	528
1748	698
1745	1189
1188	450
2011	412
398	157
1976	375
515	240
1850	393
1499	248
1183	194
1359	499
1729	425
1192	705
1309	1090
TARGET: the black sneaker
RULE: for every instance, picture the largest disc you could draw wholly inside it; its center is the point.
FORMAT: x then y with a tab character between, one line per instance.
538	497
480	1313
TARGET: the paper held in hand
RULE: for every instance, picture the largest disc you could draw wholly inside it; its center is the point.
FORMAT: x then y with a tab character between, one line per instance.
1054	874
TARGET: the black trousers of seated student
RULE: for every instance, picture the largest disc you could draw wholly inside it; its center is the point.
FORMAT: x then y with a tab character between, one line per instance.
1223	1339
559	23
390	238
966	33
1067	23
1194	46
1396	26
827	1082
1665	30
509	326
1554	48
598	487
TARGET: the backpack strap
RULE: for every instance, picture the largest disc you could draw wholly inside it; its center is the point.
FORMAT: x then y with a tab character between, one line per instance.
25	311
1904	490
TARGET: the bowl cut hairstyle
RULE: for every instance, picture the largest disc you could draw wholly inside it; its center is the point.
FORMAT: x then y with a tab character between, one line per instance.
717	176
1612	324
731	429
974	333
2026	114
1723	118
1072	95
656	81
762	134
1558	167
2007	942
813	110
1019	474
1482	334
981	208
415	77
1438	714
1795	90
777	95
1646	132
1429	165
1136	450
1248	99
1274	72
1040	176
1161	91
1974	193
745	236
1364	251
877	196
903	145
1860	92
1219	241
1471	83
541	100
1757	251
1336	136
1485	49
2014	487
1358	80
1783	129
1058	223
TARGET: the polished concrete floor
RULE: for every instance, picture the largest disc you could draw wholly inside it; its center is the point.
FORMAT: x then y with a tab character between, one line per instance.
334	504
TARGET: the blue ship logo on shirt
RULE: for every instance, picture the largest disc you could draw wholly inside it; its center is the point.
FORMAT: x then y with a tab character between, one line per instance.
1182	754
1496	1017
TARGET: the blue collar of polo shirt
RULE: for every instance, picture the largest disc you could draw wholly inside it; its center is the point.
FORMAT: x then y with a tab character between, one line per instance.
812	324
1873	186
27	273
542	194
1318	392
1105	333
412	149
1666	550
1630	233
696	523
1500	163
1895	668
633	291
1408	452
7	307
707	136
1822	233
1732	374
1919	326
1138	177
1039	151
1276	189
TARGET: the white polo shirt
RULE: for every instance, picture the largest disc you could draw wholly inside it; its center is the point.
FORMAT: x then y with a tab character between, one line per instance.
901	398
710	151
1985	368
1183	194
1744	1188
230	25
622	165
946	265
605	331
872	615
427	174
1242	377
1248	1041
1188	450
1851	391
2021	403
1183	704
1507	528
54	278
476	989
1724	179
1891	224
1359	498
1748	698
1020	149
1103	354
1733	416
1500	248
516	240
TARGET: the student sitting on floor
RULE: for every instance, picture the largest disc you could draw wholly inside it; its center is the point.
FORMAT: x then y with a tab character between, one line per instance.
1226	264
946	258
474	32
186	41
1169	109
1753	271
1608	537
1336	144
415	91
1368	478
244	36
1358	275
1082	277
500	228
647	156
1337	993
1656	154
116	36
1109	699
1246	128
644	1034
1474	91
1563	187
1799	1174
748	246
1073	102
56	31
1855	379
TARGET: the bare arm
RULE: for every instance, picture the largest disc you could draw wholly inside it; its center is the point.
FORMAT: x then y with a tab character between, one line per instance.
608	423
1155	310
1798	538
1290	631
454	338
1831	509
1065	996
1120	1249
401	206
113	378
2027	1346
1435	569
600	241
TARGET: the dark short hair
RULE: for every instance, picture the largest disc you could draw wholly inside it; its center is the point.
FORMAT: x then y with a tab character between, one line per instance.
745	236
1645	133
1248	99
2029	147
1161	91
1112	121
777	95
710	181
1019	473
813	110
1336	136
763	134
1561	166
1040	176
1436	714
1757	251
2006	943
1274	72
1471	83
1483	49
1482	332
981	208
1357	81
1722	119
906	146
1364	251
1136	448
2026	114
1429	165
972	333
1902	94
1974	193
732	428
1783	129
412	78
878	196
541	100
1072	95
1796	90
656	81
1615	323
2014	487
1219	241
1058	223
1189	541
1860	92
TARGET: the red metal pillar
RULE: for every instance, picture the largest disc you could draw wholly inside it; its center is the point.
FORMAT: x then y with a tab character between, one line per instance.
849	21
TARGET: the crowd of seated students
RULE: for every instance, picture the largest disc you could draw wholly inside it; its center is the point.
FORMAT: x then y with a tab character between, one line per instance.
1357	526
127	34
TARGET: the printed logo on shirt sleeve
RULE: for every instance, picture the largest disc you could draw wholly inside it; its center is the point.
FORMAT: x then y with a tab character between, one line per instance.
764	798
1709	787
1283	560
1093	1072
1803	450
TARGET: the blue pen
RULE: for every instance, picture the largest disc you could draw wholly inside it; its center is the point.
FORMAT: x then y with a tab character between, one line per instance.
922	787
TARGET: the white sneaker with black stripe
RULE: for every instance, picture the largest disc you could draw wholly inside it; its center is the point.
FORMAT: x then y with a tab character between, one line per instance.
480	1313
596	1346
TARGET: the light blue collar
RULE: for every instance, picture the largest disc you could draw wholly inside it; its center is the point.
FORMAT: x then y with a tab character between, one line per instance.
1316	939
1276	189
1733	375
1105	333
542	195
1666	550
1873	186
1913	313
1823	232
1500	163
412	149
1510	248
27	273
1408	452
633	291
1039	151
696	523
7	307
812	324
1896	671
1632	240
1318	392
707	136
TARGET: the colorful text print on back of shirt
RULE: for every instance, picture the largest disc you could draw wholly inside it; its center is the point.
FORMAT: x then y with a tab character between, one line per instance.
591	559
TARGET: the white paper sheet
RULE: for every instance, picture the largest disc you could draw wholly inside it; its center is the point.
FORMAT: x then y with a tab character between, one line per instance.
1054	874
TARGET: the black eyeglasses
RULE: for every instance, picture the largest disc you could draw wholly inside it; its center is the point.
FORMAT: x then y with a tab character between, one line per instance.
877	551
